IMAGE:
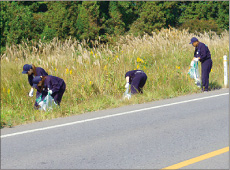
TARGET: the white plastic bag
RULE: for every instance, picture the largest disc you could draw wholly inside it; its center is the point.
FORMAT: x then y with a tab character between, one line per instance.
47	104
127	95
194	72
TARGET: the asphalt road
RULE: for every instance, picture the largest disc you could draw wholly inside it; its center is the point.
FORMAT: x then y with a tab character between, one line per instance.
146	136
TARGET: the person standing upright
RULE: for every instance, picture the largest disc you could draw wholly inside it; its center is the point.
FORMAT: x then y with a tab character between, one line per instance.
203	55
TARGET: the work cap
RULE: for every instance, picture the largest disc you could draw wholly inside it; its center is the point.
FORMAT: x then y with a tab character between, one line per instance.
194	39
36	81
26	68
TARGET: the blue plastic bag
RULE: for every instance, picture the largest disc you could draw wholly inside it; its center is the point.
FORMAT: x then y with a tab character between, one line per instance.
194	72
47	104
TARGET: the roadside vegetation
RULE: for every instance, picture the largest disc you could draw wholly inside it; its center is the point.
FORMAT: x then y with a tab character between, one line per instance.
94	75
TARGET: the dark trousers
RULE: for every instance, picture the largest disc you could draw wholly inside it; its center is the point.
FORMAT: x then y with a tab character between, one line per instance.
206	67
58	95
138	83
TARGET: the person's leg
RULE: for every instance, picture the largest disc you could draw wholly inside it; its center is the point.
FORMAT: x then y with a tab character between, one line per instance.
206	68
135	84
138	83
142	82
58	96
203	75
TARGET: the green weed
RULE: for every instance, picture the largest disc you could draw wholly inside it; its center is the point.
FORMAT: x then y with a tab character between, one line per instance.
95	76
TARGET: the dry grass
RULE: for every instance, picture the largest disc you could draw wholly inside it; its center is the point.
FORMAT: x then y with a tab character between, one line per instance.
95	76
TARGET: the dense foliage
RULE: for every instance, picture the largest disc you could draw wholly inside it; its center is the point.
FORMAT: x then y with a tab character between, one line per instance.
28	20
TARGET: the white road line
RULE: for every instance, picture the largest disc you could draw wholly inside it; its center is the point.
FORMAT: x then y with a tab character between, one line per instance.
109	116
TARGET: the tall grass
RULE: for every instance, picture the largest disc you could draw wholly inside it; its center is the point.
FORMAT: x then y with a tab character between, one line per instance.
95	76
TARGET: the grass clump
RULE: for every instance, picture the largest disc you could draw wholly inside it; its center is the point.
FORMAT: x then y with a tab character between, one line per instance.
95	76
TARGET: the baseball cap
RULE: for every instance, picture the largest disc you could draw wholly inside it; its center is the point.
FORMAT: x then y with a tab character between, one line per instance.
194	39
36	81
26	68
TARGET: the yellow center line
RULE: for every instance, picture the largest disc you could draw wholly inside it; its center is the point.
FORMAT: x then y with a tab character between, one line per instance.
198	159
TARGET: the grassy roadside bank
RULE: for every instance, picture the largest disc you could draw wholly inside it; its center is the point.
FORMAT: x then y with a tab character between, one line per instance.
95	76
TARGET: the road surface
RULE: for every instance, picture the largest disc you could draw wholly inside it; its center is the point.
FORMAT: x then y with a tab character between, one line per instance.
155	135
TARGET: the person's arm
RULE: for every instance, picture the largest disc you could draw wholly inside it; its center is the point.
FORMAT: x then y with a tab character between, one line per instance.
30	80
202	52
127	79
196	58
53	85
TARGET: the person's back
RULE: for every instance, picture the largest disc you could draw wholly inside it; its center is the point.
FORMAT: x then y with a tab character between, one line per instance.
203	52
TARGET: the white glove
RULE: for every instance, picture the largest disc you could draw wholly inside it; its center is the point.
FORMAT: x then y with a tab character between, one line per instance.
31	92
196	59
127	96
127	85
50	92
41	103
192	63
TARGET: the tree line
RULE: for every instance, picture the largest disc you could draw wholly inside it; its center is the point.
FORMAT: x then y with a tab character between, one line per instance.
38	20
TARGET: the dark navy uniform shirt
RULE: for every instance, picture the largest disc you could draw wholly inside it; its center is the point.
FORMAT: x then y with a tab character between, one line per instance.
203	52
53	83
40	72
132	73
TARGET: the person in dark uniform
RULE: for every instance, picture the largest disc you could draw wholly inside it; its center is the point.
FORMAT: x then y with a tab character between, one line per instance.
203	55
54	85
137	79
33	71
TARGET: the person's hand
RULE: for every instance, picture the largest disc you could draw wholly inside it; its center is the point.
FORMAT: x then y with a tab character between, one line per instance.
192	63
127	85
41	103
50	92
31	92
196	59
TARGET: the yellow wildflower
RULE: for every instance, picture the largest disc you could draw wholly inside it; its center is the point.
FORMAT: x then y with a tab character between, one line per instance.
4	90
90	82
178	67
70	72
55	69
105	68
91	52
138	66
67	71
144	67
8	91
139	60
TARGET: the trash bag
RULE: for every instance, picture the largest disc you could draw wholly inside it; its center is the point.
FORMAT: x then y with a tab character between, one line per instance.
47	104
127	95
194	72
